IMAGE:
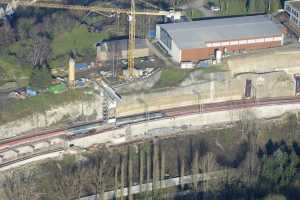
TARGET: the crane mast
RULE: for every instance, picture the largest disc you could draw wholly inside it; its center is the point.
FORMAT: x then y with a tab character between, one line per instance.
131	40
132	13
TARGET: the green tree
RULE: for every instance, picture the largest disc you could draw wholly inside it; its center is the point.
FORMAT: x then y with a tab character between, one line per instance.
275	5
278	170
257	6
40	78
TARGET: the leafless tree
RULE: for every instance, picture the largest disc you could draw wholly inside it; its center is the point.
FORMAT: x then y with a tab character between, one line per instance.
41	51
116	180
130	196
195	169
141	166
20	186
122	177
208	164
148	170
155	173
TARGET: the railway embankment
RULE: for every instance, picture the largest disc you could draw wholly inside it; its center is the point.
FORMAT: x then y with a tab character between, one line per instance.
180	124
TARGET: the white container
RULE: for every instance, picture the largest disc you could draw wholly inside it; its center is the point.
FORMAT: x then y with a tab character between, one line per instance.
219	56
187	65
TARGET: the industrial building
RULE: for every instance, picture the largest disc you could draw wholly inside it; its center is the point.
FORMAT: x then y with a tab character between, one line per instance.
293	10
201	40
119	49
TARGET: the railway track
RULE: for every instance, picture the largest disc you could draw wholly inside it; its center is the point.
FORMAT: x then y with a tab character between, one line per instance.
27	157
168	113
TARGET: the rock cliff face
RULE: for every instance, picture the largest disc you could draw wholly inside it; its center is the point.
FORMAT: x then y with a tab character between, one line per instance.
83	110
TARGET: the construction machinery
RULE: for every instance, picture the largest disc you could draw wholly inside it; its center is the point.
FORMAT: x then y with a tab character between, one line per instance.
131	13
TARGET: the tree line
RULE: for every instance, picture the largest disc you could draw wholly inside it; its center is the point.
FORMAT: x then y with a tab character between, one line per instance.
239	7
262	169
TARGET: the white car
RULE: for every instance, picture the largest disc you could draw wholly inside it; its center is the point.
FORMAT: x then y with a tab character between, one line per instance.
215	8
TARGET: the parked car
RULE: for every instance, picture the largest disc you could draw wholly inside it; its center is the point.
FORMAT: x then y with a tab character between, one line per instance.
215	8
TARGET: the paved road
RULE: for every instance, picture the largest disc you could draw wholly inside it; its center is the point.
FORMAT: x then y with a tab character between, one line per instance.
164	184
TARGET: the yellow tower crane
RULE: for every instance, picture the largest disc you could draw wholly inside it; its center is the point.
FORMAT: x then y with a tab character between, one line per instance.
132	13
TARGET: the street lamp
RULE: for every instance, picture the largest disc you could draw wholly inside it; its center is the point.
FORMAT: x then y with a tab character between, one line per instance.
146	107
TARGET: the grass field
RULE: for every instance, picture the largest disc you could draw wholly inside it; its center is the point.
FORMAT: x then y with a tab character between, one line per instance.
79	40
194	13
17	109
213	69
172	77
14	71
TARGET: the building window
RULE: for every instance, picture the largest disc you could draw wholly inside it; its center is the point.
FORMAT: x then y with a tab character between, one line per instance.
165	38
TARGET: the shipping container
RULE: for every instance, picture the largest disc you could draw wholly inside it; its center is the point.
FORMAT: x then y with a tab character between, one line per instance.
81	66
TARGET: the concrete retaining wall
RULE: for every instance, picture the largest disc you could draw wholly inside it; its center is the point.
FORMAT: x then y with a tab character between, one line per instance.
70	112
191	122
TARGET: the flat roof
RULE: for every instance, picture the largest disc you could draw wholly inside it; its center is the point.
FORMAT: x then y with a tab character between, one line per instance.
295	4
122	44
195	34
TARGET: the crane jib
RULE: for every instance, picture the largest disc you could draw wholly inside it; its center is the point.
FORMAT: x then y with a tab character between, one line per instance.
82	8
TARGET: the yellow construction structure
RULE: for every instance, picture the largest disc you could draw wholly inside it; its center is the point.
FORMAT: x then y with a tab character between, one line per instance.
71	78
131	40
130	12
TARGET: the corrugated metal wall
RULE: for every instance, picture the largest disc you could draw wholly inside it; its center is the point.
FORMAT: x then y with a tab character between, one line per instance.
205	53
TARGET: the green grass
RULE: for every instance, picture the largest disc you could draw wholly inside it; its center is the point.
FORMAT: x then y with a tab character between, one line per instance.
17	109
172	77
194	13
14	71
78	39
213	69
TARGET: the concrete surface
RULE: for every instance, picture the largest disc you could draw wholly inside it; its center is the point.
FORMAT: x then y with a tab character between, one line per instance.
278	59
41	145
24	149
10	154
148	187
212	87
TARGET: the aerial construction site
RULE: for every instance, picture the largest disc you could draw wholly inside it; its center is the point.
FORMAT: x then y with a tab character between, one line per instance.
149	99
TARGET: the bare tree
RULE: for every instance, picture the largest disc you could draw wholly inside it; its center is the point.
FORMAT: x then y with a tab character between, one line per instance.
116	181
41	51
155	173
129	177
148	170
141	166
195	169
122	176
100	165
20	186
208	164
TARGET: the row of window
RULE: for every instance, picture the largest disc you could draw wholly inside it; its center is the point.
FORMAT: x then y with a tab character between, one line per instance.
165	38
243	42
292	10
